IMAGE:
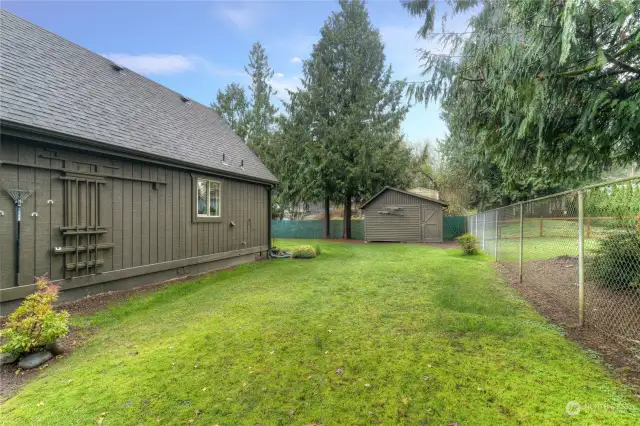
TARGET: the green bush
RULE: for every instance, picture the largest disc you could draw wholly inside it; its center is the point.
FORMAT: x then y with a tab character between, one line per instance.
617	261
318	251
35	324
303	252
468	243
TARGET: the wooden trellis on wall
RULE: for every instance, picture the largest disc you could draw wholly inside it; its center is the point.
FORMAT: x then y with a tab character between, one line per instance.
82	230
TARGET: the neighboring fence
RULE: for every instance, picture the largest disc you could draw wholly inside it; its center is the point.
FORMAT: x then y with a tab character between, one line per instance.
452	227
312	229
577	252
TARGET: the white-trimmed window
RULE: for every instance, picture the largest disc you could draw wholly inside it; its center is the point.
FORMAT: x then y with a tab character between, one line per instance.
208	200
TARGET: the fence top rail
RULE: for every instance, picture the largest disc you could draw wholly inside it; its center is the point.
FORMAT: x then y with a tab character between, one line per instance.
567	192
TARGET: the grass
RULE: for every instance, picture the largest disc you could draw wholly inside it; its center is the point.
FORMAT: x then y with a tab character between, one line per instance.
540	248
559	238
363	334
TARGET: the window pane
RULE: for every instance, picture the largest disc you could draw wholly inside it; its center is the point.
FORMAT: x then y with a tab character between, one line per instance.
202	197
214	199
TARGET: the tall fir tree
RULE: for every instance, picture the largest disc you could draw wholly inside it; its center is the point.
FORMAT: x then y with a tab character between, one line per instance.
232	105
262	113
353	110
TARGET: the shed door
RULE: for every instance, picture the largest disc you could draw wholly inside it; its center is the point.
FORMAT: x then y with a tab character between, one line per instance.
431	224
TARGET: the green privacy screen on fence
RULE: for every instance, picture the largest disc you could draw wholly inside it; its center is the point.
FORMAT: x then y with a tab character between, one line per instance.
313	229
452	227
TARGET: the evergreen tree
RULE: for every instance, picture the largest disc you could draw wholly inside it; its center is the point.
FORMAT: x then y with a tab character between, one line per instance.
538	95
231	104
352	109
262	112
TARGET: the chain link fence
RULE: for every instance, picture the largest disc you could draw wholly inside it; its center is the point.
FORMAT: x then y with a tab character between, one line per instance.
577	253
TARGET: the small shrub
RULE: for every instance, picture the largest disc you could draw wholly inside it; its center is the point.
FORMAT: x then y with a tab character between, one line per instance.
35	324
468	243
303	252
617	261
318	251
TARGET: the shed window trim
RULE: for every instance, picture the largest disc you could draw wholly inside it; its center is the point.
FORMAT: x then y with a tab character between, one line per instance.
207	199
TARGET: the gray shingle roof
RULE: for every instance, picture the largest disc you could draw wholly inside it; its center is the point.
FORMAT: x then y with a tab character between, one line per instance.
50	83
389	188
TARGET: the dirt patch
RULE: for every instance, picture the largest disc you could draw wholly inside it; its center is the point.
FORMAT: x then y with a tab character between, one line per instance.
551	287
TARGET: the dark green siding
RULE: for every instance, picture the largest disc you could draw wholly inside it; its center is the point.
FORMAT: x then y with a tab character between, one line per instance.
147	223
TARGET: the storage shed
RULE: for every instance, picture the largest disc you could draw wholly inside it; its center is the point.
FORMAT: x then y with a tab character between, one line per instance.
110	180
396	215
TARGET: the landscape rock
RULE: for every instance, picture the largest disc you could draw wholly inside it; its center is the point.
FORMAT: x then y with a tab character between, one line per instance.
35	360
56	348
7	358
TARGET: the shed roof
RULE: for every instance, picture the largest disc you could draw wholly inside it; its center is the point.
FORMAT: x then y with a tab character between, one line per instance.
51	84
389	188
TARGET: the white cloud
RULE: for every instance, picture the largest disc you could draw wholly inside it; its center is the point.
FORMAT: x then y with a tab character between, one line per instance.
169	64
295	60
279	75
243	17
282	85
153	63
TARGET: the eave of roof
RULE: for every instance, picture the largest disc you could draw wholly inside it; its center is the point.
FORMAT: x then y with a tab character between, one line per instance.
45	135
54	86
403	192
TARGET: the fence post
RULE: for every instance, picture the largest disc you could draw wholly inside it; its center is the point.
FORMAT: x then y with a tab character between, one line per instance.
541	226
496	247
581	257
475	228
484	226
521	239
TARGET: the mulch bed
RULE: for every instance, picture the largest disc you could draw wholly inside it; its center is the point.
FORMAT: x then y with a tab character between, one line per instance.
551	287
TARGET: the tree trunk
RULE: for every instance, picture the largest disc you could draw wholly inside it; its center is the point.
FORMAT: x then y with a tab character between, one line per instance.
346	225
327	219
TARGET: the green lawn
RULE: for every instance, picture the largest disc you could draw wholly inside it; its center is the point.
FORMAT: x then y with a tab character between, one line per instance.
362	335
541	248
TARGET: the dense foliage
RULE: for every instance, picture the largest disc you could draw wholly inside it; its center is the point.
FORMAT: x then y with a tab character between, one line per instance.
252	116
262	113
232	105
468	243
621	201
616	263
303	252
538	95
34	324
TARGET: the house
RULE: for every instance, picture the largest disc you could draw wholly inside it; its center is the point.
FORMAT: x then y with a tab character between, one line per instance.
126	181
396	215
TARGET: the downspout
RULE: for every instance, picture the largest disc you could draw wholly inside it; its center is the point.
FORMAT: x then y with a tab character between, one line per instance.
17	262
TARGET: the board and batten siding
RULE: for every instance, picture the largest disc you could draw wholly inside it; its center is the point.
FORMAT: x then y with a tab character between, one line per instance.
148	224
384	227
400	228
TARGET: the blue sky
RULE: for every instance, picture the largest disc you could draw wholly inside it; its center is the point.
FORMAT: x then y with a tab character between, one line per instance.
195	48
